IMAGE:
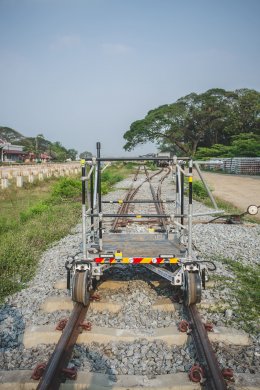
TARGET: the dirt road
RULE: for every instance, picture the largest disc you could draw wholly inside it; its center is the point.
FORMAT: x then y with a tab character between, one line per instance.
241	191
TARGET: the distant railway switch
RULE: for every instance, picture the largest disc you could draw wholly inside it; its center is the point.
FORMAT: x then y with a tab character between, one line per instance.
163	159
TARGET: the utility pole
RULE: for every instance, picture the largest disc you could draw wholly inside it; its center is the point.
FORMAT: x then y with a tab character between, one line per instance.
37	144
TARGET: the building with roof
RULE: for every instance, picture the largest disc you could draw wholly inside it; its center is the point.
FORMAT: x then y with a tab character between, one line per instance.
11	153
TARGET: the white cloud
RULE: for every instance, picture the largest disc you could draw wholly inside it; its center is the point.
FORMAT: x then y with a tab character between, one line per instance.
66	41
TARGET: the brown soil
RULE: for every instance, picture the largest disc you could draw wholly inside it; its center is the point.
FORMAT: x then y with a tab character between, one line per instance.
241	191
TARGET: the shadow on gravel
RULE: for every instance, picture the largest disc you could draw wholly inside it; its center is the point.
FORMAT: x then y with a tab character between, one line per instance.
128	272
11	326
97	364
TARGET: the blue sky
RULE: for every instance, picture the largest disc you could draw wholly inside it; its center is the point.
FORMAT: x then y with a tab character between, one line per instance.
81	71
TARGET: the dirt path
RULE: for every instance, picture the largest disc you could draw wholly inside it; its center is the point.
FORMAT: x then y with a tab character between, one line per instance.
241	191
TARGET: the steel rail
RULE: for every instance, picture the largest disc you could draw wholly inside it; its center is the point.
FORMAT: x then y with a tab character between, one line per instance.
155	199
123	210
51	378
158	197
214	377
133	194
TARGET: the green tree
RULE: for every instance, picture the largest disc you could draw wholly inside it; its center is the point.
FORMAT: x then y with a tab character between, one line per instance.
212	117
59	153
246	145
72	154
246	113
85	155
242	145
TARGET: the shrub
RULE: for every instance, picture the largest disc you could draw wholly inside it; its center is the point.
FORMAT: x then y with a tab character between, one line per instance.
199	190
111	177
105	188
66	188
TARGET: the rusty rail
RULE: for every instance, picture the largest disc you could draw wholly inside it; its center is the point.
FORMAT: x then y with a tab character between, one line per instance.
157	197
214	377
52	375
124	206
123	210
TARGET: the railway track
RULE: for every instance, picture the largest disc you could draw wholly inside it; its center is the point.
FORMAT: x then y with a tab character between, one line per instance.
169	338
133	191
57	367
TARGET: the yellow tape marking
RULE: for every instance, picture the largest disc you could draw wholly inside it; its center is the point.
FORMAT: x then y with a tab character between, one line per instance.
82	162
120	201
190	179
173	260
138	216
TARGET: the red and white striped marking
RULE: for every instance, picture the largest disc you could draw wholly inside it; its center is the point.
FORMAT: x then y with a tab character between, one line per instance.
137	260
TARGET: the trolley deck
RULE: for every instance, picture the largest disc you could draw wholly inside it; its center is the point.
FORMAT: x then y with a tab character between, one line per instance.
141	245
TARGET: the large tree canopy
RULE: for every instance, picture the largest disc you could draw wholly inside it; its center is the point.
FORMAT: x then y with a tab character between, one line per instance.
196	120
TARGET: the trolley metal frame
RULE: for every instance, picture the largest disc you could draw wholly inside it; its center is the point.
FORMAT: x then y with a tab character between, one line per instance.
95	260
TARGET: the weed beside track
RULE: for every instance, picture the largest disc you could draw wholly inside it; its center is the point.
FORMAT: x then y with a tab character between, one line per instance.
34	217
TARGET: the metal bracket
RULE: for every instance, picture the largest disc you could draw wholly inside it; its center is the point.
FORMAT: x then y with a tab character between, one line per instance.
174	277
191	267
98	270
83	265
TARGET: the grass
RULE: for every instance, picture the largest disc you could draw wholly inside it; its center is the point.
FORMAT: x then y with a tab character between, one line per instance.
32	219
151	165
15	200
35	216
245	288
244	294
114	174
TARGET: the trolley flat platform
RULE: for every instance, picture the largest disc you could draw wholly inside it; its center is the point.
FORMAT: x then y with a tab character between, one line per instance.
143	245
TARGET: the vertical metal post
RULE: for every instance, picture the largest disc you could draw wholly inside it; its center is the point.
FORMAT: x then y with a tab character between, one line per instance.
95	188
190	211
99	196
182	193
83	183
178	199
87	187
178	189
177	184
92	199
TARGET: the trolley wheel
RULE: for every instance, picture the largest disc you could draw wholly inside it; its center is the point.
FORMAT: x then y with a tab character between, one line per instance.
192	288
80	287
